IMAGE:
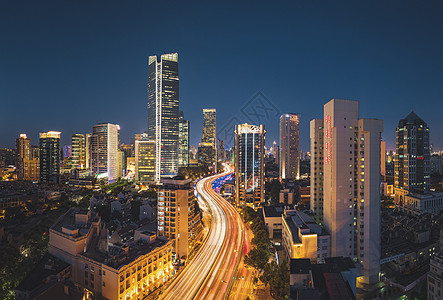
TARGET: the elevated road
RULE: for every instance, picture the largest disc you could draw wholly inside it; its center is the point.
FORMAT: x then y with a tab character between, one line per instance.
210	274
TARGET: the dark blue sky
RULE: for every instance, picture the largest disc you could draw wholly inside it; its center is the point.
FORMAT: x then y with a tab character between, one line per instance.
66	64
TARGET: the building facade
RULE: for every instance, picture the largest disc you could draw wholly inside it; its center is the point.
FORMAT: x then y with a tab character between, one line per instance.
163	112
303	238
317	174
412	170
289	162
177	216
183	137
351	183
105	139
22	152
145	161
78	151
249	164
50	157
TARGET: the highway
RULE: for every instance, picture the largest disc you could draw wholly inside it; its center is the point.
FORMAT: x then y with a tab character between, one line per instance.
210	274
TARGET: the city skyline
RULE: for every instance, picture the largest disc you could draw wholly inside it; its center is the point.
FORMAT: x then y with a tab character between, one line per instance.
388	84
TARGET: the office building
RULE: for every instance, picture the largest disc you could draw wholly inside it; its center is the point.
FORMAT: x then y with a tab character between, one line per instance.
105	139
50	157
177	217
22	152
436	164
209	137
303	238
31	169
412	170
88	150
249	164
317	175
78	151
145	160
183	138
163	112
221	151
351	184
289	162
205	155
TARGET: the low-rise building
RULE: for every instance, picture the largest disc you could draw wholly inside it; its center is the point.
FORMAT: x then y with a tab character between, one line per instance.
128	270
286	196
334	279
303	238
426	202
273	221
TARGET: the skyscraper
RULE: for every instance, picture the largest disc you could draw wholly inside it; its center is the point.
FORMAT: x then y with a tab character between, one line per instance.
289	163
50	157
144	160
105	139
22	152
351	186
183	137
412	169
163	112
209	126
221	152
249	164
78	152
317	174
209	138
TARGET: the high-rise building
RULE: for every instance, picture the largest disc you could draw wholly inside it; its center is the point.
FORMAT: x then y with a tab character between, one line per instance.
209	126
88	150
209	135
177	217
163	112
412	171
317	174
78	151
50	157
436	164
183	138
249	164
289	163
145	160
383	159
105	139
205	155
22	152
221	152
351	186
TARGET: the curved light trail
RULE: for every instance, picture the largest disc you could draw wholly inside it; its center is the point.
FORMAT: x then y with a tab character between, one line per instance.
210	274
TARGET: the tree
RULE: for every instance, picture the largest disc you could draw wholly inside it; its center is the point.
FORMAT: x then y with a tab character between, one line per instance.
257	257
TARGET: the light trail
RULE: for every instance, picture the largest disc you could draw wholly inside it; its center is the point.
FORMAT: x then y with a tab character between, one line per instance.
209	275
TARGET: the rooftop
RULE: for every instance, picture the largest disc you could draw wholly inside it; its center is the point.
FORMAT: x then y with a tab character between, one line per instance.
272	211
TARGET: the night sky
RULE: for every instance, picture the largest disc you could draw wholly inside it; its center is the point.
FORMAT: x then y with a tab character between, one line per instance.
65	65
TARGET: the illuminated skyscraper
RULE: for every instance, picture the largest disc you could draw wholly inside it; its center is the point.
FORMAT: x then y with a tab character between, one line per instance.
351	186
249	164
209	136
78	151
145	160
183	137
50	157
209	126
412	170
88	151
163	112
221	152
289	161
22	152
105	139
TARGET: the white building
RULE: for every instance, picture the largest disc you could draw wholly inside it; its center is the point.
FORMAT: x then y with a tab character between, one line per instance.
351	186
316	134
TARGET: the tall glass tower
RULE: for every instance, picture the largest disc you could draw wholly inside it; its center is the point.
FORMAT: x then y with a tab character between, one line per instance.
412	157
163	112
50	157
